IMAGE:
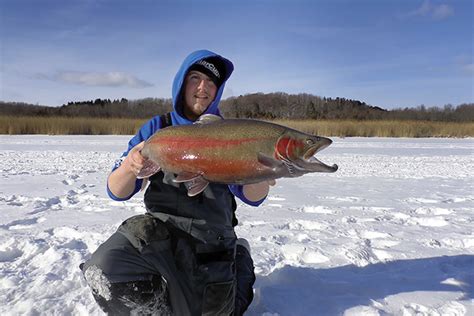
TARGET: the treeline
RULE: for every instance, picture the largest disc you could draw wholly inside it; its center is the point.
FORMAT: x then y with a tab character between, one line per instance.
307	106
258	105
298	106
448	113
99	108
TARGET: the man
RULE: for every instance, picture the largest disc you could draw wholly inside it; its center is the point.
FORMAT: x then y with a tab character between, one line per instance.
182	257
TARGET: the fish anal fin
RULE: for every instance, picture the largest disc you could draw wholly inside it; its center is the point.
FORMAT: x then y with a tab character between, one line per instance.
196	186
149	169
208	118
186	176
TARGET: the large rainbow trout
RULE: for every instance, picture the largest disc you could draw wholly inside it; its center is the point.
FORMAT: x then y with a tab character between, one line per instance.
232	151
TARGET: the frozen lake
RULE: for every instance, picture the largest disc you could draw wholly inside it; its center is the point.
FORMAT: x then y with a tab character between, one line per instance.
390	233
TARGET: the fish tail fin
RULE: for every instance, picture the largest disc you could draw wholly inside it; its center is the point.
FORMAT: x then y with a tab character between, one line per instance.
149	169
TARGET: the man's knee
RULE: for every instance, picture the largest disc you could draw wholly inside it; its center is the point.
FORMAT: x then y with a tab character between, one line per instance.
121	280
140	297
118	259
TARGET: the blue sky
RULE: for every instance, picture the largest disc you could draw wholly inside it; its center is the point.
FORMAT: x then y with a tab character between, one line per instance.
386	53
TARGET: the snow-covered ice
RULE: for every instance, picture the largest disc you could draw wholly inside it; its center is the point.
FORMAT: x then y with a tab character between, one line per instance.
390	233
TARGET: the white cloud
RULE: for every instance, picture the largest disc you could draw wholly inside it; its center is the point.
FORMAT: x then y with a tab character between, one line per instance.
437	12
469	68
442	11
425	9
105	79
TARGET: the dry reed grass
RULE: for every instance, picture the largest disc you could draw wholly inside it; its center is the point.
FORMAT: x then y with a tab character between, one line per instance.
68	125
115	126
382	128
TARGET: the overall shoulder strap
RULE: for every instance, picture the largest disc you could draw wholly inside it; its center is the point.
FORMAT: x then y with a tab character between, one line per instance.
165	120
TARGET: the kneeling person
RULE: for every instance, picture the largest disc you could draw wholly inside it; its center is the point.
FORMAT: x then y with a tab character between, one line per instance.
182	257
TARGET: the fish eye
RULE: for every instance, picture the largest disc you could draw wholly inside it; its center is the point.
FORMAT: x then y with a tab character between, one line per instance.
309	142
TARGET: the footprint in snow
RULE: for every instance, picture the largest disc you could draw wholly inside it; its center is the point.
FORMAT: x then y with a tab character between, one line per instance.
80	195
432	243
15	200
458	243
71	179
23	223
362	254
278	239
78	191
74	245
436	221
433	211
457	200
305	225
299	254
42	205
377	241
71	198
9	253
303	238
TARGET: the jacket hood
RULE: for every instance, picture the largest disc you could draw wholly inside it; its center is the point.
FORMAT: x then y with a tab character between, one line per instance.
177	115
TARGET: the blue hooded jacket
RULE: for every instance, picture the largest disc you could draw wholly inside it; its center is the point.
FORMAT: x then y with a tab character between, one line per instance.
177	118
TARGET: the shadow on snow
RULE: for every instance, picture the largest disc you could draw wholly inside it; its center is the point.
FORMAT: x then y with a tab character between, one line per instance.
308	291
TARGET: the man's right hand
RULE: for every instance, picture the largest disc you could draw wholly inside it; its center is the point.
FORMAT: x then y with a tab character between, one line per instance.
134	161
121	181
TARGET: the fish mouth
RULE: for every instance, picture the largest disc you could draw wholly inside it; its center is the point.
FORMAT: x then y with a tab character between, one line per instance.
311	163
313	150
316	165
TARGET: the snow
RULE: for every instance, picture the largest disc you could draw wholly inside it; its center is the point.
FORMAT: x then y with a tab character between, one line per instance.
390	233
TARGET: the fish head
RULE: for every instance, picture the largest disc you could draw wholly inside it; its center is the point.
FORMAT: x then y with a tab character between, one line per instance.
297	151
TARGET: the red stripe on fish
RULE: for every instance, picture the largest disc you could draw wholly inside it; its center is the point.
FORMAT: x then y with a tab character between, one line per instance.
214	168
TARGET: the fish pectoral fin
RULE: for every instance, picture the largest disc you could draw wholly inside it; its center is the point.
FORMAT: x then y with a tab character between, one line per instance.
293	170
186	176
280	166
268	161
196	186
208	118
149	169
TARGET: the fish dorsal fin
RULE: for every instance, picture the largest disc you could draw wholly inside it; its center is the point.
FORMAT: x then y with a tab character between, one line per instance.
186	176
149	169
196	186
208	118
